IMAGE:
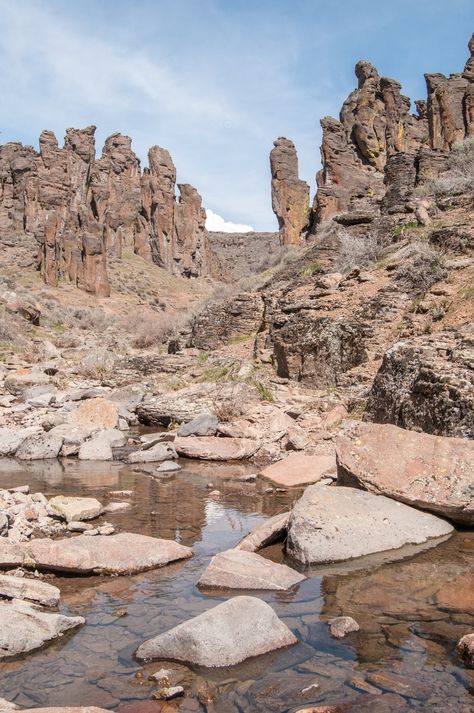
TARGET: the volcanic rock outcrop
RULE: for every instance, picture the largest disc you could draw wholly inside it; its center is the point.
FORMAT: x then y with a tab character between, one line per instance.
290	195
79	210
378	151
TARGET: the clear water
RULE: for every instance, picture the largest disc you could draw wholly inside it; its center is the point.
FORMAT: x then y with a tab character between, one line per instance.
411	611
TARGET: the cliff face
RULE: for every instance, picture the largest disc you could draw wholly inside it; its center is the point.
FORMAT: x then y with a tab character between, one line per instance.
79	209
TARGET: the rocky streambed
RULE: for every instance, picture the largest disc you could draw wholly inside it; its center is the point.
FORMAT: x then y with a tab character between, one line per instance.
411	606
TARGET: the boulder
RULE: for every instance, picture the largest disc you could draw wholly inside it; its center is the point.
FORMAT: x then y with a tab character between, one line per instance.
17	382
158	452
32	590
434	473
299	469
270	531
73	437
238	569
98	413
25	627
125	553
39	446
332	524
426	383
74	509
10	440
203	425
465	649
225	635
99	447
212	448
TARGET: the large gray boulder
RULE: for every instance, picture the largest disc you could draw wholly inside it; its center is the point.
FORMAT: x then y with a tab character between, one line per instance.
25	627
10	441
203	425
40	446
99	447
331	524
237	569
225	635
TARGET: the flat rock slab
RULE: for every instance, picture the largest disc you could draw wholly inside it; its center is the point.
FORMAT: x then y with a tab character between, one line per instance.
157	453
125	553
225	635
213	448
74	509
237	569
32	590
95	413
25	627
270	531
332	524
300	469
435	473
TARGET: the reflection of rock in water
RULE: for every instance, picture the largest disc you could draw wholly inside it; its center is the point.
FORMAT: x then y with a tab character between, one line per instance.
400	606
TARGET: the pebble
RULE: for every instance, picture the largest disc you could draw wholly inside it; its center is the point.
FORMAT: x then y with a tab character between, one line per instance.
168	693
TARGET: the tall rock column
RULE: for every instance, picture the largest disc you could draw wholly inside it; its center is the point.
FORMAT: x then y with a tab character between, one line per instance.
290	195
191	252
158	185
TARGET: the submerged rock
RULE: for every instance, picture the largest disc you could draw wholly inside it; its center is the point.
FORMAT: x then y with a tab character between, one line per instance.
25	627
237	569
340	626
225	635
125	553
212	448
435	473
331	524
155	454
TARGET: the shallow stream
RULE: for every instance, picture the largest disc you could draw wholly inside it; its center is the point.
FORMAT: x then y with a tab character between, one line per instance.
411	611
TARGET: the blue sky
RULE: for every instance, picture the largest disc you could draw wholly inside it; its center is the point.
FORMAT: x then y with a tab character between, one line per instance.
213	81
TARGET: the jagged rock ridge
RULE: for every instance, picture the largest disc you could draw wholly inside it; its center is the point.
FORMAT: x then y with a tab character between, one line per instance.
79	209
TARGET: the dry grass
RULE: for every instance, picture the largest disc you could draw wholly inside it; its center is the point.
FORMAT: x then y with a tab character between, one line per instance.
459	178
421	269
356	251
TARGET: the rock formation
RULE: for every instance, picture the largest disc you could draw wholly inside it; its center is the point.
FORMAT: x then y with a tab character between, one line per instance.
79	210
290	195
378	150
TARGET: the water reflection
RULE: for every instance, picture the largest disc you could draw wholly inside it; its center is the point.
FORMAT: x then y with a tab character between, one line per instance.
411	612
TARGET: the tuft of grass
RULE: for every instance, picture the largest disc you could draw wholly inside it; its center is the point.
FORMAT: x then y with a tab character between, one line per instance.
264	392
314	268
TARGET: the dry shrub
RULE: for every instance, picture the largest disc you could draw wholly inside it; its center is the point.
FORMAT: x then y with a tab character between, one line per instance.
421	269
8	328
228	406
98	364
153	331
92	318
356	251
459	178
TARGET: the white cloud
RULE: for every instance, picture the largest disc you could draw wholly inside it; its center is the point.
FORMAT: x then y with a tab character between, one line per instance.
217	223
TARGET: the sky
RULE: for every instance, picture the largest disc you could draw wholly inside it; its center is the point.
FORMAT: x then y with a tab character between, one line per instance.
214	81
